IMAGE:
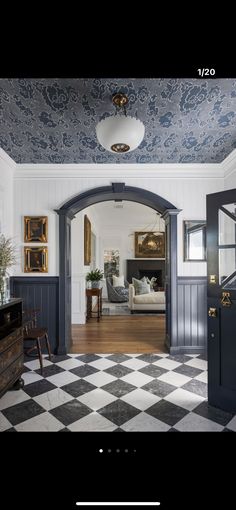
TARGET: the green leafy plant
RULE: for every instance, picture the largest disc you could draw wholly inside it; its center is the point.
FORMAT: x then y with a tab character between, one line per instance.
94	276
7	252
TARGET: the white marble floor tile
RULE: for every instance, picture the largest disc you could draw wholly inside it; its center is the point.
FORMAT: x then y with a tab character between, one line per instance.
197	363
53	398
4	423
31	377
174	378
232	424
96	399
93	422
134	364
44	422
102	364
62	378
34	364
68	364
195	423
140	399
202	377
11	398
100	378
145	423
169	364
184	399
137	378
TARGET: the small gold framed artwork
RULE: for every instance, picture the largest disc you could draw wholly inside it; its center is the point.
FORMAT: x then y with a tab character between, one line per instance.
36	259
35	229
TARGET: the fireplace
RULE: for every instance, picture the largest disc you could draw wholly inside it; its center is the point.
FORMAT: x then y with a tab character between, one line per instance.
137	268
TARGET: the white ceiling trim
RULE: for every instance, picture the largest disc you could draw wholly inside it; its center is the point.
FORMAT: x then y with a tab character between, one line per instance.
7	160
122	171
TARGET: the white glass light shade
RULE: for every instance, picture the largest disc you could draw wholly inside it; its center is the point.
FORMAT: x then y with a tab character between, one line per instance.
119	133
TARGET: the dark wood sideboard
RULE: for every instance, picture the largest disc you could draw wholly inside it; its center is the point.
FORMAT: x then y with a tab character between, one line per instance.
11	345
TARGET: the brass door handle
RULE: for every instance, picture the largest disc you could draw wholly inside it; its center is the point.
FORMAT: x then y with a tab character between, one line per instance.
225	300
212	312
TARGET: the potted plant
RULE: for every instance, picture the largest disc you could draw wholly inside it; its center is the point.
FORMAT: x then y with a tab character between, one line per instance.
94	277
7	259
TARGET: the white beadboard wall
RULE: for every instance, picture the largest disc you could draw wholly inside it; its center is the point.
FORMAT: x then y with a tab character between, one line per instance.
39	189
7	166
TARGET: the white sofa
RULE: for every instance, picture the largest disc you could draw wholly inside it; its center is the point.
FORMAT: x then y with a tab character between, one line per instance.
153	301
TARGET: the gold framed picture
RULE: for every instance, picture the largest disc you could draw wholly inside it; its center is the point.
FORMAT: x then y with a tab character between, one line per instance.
36	259
150	245
87	241
35	229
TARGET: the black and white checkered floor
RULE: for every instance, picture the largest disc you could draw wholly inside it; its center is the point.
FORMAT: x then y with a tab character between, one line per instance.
114	392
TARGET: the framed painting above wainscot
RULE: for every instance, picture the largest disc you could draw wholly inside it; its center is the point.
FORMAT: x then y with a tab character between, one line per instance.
150	245
87	241
35	229
36	259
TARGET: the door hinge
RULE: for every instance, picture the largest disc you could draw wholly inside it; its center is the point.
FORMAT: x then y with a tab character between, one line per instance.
225	300
212	312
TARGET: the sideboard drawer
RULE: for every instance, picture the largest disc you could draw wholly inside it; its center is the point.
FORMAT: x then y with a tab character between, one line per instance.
11	374
10	339
12	353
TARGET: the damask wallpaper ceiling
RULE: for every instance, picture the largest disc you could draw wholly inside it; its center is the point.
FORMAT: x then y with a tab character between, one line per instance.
53	120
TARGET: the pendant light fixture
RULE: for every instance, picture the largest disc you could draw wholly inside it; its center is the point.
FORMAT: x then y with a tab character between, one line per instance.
120	133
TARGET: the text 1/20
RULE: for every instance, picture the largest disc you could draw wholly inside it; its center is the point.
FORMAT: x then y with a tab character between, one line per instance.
206	72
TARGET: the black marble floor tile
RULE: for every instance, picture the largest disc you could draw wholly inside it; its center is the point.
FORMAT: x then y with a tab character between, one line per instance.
187	370
78	388
84	370
119	357
62	357
10	430
50	370
70	412
64	430
159	388
118	412
39	387
213	413
224	430
167	412
172	430
118	430
22	412
88	358
153	370
180	358
195	386
118	371
119	388
203	356
149	357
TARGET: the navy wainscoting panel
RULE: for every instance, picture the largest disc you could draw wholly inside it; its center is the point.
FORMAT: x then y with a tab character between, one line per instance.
40	292
191	315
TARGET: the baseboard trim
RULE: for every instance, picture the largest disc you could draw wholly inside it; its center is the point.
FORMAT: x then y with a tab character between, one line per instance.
187	349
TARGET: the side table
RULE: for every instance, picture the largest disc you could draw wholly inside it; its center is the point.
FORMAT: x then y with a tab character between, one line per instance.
89	294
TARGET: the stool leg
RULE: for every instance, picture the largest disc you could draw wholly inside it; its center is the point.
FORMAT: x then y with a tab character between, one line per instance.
40	355
48	346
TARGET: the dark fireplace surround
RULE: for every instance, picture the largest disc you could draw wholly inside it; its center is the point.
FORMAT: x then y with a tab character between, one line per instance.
137	268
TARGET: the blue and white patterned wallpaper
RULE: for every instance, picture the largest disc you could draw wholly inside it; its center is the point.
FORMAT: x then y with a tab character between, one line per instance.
53	120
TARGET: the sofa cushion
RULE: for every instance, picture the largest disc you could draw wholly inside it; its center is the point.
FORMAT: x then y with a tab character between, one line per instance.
150	298
118	281
140	287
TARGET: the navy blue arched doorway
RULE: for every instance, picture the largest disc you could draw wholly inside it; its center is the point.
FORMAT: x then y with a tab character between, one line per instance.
116	191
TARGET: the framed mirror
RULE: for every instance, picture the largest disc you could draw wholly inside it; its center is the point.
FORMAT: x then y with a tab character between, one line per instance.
194	240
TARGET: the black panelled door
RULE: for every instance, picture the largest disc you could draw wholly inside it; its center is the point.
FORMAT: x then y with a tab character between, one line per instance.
221	289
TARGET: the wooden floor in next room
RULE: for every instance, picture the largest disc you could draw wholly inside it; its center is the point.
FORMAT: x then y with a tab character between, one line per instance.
127	334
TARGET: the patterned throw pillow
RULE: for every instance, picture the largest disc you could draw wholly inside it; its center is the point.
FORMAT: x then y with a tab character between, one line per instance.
123	292
140	286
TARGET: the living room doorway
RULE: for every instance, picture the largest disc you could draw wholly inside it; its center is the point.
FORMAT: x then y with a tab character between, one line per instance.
117	192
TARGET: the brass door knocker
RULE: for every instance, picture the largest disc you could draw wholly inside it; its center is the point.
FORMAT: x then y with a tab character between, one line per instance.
225	300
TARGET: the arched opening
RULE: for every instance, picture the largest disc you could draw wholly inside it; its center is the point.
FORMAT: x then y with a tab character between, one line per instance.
116	192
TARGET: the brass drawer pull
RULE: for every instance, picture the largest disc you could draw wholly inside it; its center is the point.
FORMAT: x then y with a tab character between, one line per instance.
212	312
225	300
